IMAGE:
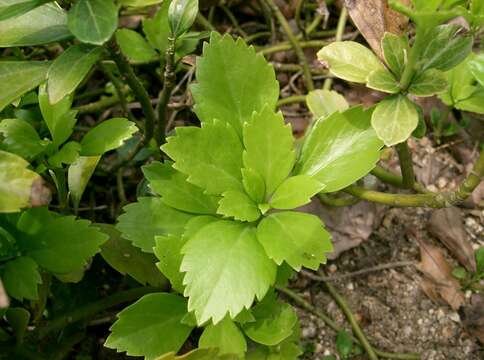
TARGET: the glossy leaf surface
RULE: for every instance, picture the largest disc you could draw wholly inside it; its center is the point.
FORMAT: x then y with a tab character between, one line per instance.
323	103
225	336
238	205
295	191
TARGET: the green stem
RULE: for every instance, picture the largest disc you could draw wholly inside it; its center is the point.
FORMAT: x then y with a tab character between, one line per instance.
169	82
389	177
93	308
291	100
284	46
295	44
203	22
98	105
61	182
406	165
411	66
337	201
340	29
352	320
233	20
138	89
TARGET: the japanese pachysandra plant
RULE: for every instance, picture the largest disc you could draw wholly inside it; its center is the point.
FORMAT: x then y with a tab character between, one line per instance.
223	222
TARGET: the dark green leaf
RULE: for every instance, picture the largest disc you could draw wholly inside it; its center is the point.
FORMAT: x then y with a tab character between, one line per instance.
68	154
344	344
13	8
157	29
428	83
79	174
20	138
134	46
395	50
18	318
21	278
182	15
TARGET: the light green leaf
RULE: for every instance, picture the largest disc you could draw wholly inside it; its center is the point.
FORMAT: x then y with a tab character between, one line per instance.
168	251
69	69
45	24
198	354
445	48
214	259
340	149
176	191
93	21
224	336
395	50
275	321
59	118
13	8
21	278
428	83
394	119
157	29
79	174
20	138
475	103
134	46
254	184
147	218
16	182
63	244
295	191
108	135
297	238
476	66
225	92
461	83
138	3
150	327
68	154
122	256
269	147
382	80
238	205
211	156
350	60
323	103
182	15
19	77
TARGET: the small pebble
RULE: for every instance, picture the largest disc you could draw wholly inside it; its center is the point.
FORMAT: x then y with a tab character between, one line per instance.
454	317
350	286
327	352
420	321
319	348
468	294
332	268
440	314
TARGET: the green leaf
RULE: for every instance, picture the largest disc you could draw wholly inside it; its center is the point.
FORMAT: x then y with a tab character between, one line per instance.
269	147
63	244
150	327
340	149
69	69
323	103
122	256
134	46
428	83
198	354
45	24
225	92
16	182
18	318
295	191
350	60
224	336
445	47
59	118
108	135
168	251
394	119
182	15
20	138
78	176
238	205
382	80
138	3
19	77
21	278
459	273
476	67
344	344
254	184
68	154
210	163
214	259
275	321
480	260
147	218
93	21
297	238
176	191
13	8
157	29
475	102
395	50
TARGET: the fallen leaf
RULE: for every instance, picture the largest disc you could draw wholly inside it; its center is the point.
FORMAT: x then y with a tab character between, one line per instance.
40	193
447	225
438	283
373	18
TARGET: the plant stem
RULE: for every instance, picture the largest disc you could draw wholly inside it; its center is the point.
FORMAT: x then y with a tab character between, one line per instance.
294	42
98	105
233	20
340	29
138	89
203	22
284	46
169	80
291	100
93	308
411	66
432	200
395	180
337	201
406	165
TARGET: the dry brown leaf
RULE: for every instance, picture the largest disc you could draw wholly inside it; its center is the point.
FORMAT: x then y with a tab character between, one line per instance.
40	193
438	283
447	225
473	317
373	18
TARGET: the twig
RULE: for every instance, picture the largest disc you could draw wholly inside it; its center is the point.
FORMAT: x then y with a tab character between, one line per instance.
203	22
233	20
340	29
294	42
393	265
